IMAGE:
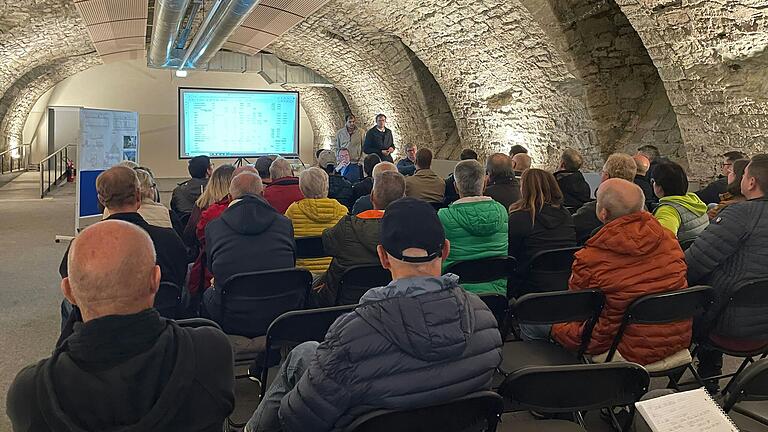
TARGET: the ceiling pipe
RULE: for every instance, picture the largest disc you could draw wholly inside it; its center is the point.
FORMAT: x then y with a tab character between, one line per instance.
221	21
166	24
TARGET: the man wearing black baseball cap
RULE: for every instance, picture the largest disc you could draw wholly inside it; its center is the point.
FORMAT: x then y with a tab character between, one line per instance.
186	193
421	340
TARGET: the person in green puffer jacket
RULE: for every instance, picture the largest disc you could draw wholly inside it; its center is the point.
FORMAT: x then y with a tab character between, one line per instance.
683	213
475	225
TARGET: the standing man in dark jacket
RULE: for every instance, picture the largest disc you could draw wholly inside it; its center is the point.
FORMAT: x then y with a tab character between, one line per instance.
732	251
421	340
501	184
249	236
379	140
124	367
576	190
711	193
186	193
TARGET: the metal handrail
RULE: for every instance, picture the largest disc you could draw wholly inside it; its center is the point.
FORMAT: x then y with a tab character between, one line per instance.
56	162
21	161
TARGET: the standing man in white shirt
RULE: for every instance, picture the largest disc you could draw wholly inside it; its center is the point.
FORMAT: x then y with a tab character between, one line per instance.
351	138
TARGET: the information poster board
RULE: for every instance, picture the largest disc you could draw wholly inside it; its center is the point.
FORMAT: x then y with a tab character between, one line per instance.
107	137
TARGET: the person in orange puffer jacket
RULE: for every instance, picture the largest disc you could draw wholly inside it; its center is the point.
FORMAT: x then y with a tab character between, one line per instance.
630	257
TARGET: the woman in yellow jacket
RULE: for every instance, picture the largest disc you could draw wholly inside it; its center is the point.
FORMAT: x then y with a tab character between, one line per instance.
316	212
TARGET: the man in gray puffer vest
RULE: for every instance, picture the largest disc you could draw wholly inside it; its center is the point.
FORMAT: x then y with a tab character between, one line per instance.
421	340
731	252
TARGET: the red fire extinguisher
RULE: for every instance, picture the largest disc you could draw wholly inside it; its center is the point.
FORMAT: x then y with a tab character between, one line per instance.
71	172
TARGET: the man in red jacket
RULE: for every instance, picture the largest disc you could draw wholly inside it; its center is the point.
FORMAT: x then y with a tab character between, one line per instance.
284	189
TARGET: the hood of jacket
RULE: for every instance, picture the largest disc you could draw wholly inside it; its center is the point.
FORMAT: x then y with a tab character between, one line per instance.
479	217
429	318
636	234
691	201
249	215
321	210
552	217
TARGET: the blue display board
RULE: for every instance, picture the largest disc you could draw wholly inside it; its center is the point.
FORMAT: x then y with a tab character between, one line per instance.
89	200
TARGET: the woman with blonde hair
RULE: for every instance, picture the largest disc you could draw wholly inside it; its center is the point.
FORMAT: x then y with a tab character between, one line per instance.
538	221
216	190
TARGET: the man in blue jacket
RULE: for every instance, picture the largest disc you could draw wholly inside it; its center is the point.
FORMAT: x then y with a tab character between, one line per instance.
419	341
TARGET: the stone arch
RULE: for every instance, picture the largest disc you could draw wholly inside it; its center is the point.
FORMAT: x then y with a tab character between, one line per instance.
326	108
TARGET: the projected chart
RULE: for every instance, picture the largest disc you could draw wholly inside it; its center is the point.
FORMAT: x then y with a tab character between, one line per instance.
232	123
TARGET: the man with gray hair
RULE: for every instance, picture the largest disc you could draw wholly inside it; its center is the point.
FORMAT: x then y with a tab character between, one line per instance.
364	203
284	189
124	363
586	221
476	225
249	236
500	182
352	241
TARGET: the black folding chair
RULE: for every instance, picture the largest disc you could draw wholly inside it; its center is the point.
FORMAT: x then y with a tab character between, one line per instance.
748	390
665	308
295	327
750	296
310	247
197	323
484	270
478	411
575	389
548	271
356	280
547	309
499	306
168	300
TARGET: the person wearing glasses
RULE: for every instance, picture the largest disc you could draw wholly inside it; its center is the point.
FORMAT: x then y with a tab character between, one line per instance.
711	193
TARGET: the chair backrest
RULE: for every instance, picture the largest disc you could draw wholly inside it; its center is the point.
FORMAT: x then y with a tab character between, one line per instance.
750	385
478	411
310	247
499	306
197	323
483	270
580	387
356	280
251	301
304	325
668	307
751	296
550	270
168	300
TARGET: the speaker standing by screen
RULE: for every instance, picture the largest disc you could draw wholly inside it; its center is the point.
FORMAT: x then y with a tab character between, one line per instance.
237	123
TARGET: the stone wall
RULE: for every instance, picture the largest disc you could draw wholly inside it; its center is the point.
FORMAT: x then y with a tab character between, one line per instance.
326	108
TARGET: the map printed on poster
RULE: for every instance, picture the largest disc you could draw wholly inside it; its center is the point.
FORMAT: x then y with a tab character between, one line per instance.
107	137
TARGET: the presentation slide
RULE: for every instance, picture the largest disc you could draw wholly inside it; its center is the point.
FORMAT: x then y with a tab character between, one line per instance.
237	123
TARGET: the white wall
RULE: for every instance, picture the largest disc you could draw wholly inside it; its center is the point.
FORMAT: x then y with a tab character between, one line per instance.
129	85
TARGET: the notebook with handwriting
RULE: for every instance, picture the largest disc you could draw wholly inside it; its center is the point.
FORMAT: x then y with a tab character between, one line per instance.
690	411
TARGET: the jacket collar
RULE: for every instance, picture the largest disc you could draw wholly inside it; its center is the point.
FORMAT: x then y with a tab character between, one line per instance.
284	181
131	217
501	181
410	287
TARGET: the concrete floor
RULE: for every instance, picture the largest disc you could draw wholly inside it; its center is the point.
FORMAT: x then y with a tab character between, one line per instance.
30	296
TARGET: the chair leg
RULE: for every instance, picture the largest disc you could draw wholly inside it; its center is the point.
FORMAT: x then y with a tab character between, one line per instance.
695	374
743	366
264	374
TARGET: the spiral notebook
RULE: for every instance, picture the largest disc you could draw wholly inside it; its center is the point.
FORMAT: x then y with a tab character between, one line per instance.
690	411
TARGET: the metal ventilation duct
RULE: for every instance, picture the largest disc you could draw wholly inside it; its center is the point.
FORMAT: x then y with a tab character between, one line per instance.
224	18
166	24
269	66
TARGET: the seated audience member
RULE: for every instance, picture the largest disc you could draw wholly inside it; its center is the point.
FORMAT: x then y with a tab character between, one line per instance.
124	367
365	186
476	225
521	162
733	194
407	165
425	184
262	166
681	212
216	190
249	236
711	193
585	220
450	188
364	202
576	190
654	155
501	184
153	212
339	188
615	261
421	323
515	149
538	221
346	168
200	276
186	193
284	189
314	213
641	179
353	240
729	253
